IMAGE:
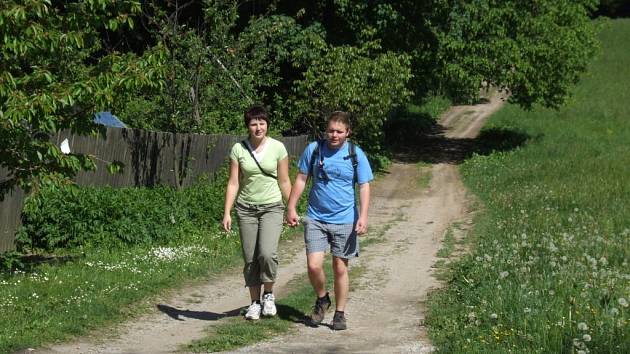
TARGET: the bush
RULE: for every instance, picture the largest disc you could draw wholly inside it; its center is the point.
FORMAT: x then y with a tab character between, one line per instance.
103	216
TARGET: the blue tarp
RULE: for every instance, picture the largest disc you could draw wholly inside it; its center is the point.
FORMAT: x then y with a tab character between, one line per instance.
108	119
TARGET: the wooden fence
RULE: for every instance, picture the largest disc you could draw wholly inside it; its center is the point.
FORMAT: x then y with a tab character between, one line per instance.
148	159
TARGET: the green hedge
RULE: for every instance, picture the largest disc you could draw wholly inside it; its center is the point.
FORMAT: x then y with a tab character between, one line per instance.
103	216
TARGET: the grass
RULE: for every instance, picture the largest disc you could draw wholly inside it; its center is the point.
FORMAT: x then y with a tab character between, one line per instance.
425	175
56	301
548	272
448	244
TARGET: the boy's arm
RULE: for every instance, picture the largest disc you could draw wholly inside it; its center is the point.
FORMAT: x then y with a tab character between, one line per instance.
364	204
296	193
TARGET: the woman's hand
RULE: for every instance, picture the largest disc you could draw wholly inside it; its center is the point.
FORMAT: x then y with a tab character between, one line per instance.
227	222
292	217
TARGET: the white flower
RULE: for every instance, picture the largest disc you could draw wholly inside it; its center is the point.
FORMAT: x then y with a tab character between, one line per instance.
586	338
582	326
504	274
527	310
581	352
623	302
614	311
494	316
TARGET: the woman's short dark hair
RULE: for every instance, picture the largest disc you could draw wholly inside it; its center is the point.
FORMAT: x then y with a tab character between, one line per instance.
257	112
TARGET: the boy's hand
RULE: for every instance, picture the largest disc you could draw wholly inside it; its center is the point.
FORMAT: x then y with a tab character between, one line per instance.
292	218
362	226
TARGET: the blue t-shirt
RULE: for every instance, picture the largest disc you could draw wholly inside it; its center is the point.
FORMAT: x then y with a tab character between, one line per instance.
331	199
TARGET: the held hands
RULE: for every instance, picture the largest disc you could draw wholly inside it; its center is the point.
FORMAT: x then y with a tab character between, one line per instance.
362	226
292	217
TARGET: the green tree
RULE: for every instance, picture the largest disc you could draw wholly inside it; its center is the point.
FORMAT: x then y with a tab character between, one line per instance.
348	78
535	49
54	74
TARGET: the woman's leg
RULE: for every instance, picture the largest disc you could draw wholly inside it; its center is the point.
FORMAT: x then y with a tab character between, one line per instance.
270	228
248	226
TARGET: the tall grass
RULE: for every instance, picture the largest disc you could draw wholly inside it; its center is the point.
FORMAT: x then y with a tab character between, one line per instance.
549	269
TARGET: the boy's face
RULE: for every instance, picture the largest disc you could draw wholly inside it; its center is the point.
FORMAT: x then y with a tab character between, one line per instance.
337	133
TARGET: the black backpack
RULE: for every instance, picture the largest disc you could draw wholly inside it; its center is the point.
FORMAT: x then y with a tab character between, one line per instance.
352	156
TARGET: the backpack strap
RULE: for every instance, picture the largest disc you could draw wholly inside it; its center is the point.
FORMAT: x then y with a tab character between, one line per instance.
318	154
251	153
314	156
355	161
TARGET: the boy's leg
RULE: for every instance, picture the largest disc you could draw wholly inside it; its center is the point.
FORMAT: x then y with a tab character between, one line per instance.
344	245
315	264
342	282
316	240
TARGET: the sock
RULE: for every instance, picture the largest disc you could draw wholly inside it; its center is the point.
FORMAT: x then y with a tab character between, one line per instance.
267	292
339	312
324	298
256	301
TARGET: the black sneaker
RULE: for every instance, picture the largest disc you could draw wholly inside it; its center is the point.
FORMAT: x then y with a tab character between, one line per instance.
339	321
319	310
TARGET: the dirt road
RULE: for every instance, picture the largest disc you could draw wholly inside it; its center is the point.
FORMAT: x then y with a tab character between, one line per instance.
385	312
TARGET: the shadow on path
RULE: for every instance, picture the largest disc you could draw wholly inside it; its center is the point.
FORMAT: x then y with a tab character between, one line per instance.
177	314
430	145
285	312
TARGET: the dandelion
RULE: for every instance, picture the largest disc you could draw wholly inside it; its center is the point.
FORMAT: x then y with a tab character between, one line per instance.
623	302
614	311
586	338
527	310
582	326
494	316
504	274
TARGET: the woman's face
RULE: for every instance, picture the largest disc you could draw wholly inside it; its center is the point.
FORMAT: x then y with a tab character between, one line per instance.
257	128
337	133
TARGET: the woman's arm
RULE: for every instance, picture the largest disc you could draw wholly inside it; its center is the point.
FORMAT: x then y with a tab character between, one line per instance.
284	182
230	194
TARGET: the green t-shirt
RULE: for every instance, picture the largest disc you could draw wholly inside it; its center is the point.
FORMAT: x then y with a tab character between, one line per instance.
254	186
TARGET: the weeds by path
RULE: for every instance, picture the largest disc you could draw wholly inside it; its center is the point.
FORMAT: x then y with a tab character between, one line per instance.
549	268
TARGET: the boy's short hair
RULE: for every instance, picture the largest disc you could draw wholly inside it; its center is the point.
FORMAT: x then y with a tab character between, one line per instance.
257	111
342	117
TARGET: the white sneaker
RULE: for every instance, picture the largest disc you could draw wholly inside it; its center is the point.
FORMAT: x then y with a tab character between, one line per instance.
253	312
269	305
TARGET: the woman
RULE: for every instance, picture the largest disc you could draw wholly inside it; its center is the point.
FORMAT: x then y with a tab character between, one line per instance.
259	180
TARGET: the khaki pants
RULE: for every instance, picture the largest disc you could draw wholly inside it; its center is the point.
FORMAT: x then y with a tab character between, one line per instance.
260	227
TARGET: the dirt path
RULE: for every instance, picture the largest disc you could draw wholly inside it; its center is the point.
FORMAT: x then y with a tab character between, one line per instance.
385	312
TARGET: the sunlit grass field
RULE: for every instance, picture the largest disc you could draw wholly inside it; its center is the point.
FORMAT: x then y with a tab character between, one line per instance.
548	271
97	289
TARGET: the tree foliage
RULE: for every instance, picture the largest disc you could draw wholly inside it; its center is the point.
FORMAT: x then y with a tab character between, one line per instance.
535	49
190	66
54	75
